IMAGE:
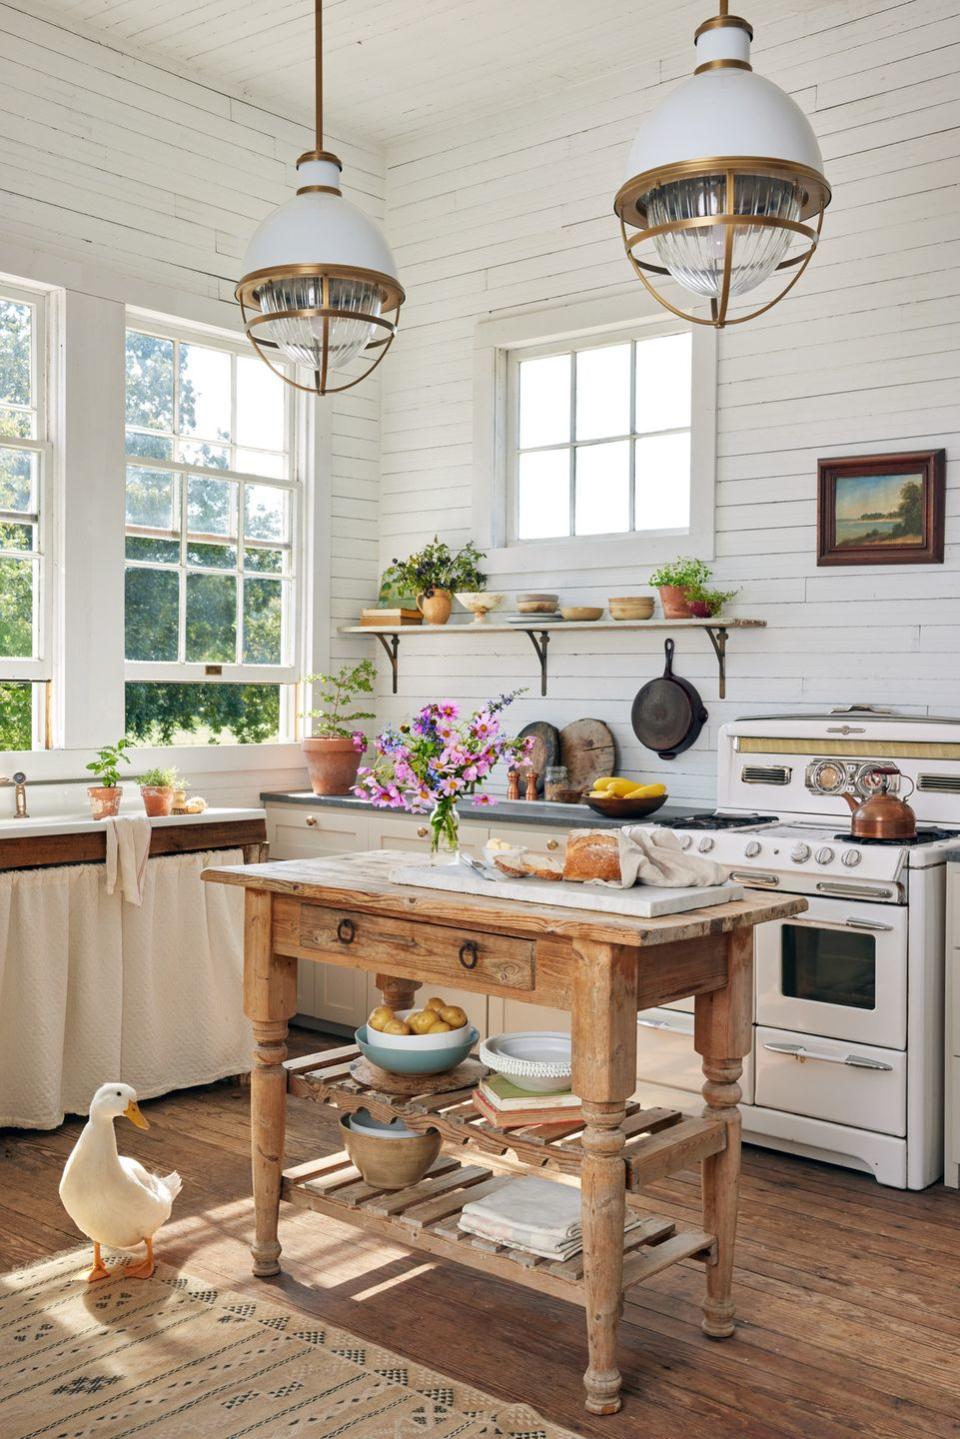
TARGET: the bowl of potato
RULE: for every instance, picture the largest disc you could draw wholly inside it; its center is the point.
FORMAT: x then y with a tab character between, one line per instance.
429	1040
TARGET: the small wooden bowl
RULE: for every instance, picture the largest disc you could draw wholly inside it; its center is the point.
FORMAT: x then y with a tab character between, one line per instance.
614	808
390	1163
631	607
581	612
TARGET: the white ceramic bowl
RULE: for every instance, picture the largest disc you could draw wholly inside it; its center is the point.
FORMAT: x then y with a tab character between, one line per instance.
536	1060
451	1040
364	1123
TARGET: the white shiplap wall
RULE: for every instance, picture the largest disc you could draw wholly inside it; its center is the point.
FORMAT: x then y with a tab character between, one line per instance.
864	356
124	179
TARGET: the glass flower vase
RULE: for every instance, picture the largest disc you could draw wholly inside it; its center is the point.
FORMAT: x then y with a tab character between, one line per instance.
444	833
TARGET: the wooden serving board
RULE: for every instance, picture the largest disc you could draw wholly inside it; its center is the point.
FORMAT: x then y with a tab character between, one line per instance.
645	901
589	751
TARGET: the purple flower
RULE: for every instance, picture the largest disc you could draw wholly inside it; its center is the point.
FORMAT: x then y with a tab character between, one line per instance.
359	741
483	800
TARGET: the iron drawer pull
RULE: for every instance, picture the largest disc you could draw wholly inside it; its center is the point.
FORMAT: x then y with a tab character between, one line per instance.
855	1061
469	954
346	931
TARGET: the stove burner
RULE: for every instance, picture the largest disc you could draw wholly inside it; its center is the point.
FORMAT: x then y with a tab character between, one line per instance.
717	821
928	835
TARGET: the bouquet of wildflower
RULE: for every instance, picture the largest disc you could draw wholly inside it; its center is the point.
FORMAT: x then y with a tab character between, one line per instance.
426	766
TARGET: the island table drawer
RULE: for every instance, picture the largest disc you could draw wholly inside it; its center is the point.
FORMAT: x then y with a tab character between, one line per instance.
432	951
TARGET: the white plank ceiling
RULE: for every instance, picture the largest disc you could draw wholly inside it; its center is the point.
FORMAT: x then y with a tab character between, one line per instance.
395	66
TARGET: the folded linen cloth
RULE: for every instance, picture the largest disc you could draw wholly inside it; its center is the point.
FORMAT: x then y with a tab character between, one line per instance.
649	855
128	849
529	1205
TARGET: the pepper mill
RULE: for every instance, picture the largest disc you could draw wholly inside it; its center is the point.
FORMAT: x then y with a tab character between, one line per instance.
532	778
513	784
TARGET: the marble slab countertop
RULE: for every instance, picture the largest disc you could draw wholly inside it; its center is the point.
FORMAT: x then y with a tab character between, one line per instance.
535	812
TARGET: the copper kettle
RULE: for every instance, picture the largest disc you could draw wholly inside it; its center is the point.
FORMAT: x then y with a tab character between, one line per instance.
883	815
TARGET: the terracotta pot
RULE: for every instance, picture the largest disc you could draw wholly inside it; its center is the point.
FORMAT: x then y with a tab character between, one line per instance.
157	799
674	601
390	1163
436	608
333	765
104	800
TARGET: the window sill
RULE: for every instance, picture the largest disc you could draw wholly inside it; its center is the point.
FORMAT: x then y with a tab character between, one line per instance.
67	765
587	552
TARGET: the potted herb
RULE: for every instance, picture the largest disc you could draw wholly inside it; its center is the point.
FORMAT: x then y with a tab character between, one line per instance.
333	751
675	580
157	790
433	573
105	797
705	603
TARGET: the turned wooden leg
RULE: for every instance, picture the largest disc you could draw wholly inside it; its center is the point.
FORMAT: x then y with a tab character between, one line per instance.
397	993
722	1037
604	1076
270	995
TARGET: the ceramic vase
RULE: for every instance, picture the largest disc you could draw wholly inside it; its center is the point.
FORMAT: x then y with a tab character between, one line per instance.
435	607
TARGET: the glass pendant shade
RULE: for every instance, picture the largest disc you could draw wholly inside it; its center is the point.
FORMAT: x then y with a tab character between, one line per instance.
300	333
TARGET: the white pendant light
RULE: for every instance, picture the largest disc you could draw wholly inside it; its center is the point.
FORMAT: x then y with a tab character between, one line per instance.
320	285
724	177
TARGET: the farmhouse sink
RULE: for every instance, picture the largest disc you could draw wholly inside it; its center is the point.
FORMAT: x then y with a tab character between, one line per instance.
79	822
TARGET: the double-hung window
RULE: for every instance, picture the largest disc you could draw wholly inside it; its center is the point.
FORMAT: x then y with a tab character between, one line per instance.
25	470
212	503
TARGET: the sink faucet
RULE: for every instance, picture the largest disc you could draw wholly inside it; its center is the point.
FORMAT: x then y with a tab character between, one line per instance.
19	783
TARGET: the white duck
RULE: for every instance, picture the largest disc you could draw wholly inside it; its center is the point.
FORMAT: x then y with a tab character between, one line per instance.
114	1200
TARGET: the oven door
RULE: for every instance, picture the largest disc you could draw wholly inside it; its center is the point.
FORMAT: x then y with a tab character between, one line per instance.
839	969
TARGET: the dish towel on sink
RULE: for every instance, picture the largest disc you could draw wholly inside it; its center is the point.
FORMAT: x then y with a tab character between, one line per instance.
128	849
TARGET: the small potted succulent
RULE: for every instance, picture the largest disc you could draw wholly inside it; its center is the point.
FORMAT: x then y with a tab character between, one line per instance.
157	790
105	797
334	750
432	575
684	592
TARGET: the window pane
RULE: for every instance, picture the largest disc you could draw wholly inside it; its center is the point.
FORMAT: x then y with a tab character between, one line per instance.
544	495
603	392
162	714
212	618
17	537
265	513
149	447
149	381
212	557
262	462
21	423
151	498
16	347
603	489
204	392
663	482
261	401
262	622
152	614
664	379
18	476
144	547
211	506
269	560
16	609
16	715
544	401
199	452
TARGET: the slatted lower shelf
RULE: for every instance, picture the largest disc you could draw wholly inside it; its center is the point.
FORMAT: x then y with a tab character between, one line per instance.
425	1216
658	1141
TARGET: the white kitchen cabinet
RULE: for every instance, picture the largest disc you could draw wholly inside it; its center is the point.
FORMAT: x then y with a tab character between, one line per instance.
296	832
951	1111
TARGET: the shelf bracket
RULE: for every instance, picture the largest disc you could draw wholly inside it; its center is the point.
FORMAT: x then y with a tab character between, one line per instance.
718	638
540	639
391	645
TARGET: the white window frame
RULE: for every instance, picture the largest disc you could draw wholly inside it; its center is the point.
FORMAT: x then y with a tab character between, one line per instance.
175	671
500	343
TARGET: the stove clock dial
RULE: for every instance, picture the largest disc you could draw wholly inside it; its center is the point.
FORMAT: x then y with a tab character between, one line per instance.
686	841
705	845
799	853
824	855
850	857
752	849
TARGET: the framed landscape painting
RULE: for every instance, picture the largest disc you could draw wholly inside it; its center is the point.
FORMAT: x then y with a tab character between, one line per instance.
881	509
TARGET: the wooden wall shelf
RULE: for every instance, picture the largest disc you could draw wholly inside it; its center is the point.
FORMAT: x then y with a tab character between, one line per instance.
539	633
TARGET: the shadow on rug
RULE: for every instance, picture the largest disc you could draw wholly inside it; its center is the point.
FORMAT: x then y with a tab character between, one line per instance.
172	1356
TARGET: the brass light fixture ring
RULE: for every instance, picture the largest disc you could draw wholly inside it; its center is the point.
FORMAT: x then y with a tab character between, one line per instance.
723	22
722	65
315	388
327	155
319	190
391	292
735	222
320	313
816	189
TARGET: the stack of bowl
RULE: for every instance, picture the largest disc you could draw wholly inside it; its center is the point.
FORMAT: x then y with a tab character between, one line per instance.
387	1153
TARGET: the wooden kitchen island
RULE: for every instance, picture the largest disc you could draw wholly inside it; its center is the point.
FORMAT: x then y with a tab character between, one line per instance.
601	967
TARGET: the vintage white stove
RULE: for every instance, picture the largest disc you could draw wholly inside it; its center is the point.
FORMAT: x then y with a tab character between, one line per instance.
847	1062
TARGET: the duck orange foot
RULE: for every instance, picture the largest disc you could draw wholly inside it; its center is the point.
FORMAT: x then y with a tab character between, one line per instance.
99	1270
143	1270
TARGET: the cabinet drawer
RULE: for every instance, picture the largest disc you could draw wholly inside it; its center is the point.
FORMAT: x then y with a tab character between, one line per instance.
853	1084
429	950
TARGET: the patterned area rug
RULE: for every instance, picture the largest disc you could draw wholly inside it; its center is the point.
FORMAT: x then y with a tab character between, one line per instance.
172	1358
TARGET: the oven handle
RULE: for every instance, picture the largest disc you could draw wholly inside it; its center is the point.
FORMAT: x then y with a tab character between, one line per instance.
800	1053
852	891
849	923
755	877
866	924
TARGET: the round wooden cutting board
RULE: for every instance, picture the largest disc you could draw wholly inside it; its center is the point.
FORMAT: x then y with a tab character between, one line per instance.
589	750
546	748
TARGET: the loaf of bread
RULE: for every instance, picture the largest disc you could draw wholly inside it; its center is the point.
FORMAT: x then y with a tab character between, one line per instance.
524	865
592	854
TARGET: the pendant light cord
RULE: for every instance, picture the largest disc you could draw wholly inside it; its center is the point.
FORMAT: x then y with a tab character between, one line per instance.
318	71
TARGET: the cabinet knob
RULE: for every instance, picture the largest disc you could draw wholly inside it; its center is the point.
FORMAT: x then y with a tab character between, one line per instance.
312	821
422	831
553	844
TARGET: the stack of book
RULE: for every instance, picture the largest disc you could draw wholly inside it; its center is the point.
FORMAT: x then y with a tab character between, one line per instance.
395	616
508	1107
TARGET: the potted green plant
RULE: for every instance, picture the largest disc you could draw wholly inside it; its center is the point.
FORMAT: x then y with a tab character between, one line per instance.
157	790
432	575
105	797
705	603
675	580
334	749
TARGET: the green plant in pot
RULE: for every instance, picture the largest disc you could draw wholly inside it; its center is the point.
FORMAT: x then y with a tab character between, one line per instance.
105	797
684	590
157	790
334	749
706	603
432	575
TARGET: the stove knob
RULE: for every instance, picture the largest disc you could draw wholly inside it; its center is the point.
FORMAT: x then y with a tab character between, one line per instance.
799	853
686	841
705	845
850	857
824	856
752	849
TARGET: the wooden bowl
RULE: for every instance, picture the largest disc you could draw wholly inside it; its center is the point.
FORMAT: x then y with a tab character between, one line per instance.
631	607
390	1163
581	612
614	808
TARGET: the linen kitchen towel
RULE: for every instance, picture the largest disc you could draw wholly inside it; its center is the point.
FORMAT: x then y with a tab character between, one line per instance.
649	855
128	849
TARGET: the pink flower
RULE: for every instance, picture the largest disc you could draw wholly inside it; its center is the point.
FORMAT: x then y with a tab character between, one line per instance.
359	740
471	773
448	709
483	800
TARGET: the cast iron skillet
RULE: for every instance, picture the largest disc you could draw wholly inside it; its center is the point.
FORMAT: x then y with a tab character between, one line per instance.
668	713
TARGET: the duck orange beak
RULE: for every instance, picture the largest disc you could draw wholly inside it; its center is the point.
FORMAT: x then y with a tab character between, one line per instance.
132	1112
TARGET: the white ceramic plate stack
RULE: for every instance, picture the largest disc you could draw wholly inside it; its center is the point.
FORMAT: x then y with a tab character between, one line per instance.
539	1061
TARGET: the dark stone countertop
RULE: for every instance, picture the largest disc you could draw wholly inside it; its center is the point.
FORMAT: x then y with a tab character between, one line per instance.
538	812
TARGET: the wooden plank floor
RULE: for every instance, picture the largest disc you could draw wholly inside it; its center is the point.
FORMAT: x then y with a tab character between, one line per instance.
848	1294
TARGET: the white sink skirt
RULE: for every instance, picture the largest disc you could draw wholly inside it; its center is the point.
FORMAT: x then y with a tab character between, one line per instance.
94	989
